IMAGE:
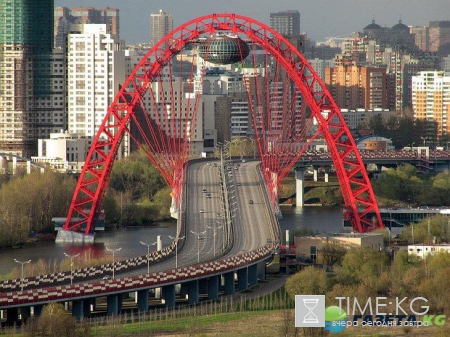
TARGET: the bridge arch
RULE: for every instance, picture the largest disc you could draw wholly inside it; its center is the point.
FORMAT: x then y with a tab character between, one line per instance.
279	131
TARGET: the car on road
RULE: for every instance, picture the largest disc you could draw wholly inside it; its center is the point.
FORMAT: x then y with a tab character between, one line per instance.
250	201
204	190
208	195
202	211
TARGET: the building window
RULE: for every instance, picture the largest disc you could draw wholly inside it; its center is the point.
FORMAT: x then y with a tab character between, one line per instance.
313	252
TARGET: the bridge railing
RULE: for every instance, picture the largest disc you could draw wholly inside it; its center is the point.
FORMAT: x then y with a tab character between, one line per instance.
103	287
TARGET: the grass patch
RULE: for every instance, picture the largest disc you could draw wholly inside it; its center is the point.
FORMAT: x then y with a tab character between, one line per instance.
185	325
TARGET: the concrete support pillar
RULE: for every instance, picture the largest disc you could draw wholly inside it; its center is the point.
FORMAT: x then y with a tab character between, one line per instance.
229	283
28	166
87	307
253	275
158	243
37	310
143	297
299	187
114	304
25	313
315	171
14	159
327	172
262	271
169	295
213	287
193	291
242	279
78	309
12	315
203	286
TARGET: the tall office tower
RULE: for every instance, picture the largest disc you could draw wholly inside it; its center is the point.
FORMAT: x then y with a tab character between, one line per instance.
287	23
64	17
26	42
95	70
160	25
439	35
355	87
431	100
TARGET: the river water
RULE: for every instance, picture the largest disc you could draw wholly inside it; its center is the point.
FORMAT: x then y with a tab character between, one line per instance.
314	219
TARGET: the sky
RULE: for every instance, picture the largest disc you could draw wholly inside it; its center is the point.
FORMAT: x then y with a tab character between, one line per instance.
318	18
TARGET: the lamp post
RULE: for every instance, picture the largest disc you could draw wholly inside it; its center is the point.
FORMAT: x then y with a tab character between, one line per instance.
113	252
424	140
21	277
148	245
214	237
71	257
176	248
198	243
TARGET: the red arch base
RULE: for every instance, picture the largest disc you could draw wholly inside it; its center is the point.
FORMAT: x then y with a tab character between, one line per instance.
356	189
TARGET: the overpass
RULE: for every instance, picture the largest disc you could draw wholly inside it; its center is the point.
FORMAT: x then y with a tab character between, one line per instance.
426	160
236	238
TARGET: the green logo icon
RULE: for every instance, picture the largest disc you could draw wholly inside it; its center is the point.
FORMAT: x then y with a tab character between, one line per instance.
335	319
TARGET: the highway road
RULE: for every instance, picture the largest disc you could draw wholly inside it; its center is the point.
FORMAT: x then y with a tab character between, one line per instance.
205	214
212	214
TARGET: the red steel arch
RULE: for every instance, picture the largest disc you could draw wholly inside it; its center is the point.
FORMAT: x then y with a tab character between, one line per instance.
359	199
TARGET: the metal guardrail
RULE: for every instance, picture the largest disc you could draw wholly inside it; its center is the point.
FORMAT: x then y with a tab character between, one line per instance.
127	284
100	288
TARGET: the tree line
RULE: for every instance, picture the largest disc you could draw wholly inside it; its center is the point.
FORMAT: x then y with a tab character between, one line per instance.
366	273
136	195
404	185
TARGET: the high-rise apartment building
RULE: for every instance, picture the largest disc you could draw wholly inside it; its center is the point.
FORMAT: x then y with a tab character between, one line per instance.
95	70
287	23
27	77
439	35
64	17
160	25
431	100
421	37
356	87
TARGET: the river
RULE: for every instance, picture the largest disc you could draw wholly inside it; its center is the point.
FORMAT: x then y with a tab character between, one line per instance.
315	219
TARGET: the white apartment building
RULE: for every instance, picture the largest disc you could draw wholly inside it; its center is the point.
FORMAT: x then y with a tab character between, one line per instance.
424	250
95	70
63	151
431	99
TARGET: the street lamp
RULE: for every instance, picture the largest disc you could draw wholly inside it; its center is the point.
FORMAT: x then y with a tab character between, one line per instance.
198	243
148	254
214	237
21	278
113	252
71	257
424	140
176	248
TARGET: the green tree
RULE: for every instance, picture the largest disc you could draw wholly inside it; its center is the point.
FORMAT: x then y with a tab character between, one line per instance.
363	267
309	281
332	253
55	321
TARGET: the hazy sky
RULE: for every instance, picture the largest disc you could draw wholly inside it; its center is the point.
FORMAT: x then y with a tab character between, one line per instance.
318	18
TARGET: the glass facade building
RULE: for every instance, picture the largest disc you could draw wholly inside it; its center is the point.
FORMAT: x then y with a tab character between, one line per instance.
26	42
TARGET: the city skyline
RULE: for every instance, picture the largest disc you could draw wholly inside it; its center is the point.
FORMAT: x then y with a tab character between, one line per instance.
319	19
